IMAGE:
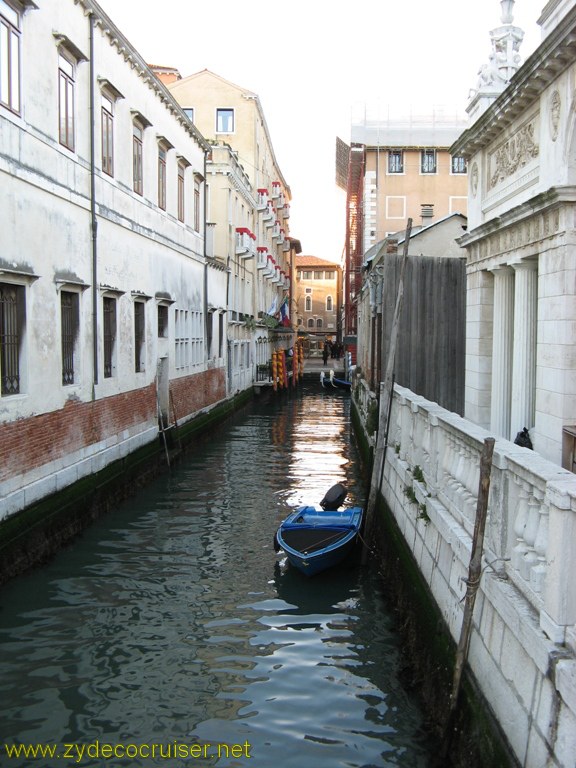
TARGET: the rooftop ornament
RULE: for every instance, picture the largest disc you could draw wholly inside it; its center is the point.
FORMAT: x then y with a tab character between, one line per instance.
503	61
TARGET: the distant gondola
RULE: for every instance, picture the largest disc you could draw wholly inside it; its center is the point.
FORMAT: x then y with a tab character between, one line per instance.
333	383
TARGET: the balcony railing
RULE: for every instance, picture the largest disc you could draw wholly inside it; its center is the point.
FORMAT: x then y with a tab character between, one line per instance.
270	270
261	257
262	204
245	243
269	215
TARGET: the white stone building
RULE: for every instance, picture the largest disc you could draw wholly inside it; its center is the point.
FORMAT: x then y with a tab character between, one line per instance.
109	309
521	152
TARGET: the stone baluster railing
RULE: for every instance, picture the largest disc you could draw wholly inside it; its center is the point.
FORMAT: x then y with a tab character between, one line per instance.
532	506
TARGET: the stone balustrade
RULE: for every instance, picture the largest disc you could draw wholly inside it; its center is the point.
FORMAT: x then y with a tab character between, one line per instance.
531	526
523	645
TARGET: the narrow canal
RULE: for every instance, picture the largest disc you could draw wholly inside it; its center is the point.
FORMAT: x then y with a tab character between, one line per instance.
170	633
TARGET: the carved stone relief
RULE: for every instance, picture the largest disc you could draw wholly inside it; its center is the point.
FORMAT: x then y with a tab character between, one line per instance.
474	179
555	108
513	155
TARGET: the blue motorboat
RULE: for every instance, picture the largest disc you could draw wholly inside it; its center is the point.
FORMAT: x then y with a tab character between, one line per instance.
316	539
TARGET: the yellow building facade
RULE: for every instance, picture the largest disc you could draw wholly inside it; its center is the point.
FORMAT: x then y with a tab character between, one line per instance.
409	171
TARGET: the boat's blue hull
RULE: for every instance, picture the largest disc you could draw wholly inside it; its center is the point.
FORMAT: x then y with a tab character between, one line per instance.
315	540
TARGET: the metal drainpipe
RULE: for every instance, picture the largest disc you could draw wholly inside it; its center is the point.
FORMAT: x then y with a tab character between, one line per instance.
93	220
206	318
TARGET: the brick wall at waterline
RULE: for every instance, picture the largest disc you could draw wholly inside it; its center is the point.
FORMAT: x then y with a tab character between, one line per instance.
29	443
191	394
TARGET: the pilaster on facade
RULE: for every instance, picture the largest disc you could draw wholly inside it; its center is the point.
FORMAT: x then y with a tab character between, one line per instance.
502	345
524	348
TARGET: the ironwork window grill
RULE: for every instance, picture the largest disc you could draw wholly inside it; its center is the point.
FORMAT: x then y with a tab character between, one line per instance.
428	161
109	335
139	335
459	164
9	57
395	161
69	333
11	328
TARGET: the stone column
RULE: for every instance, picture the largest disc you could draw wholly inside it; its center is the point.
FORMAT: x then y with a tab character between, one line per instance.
502	345
524	355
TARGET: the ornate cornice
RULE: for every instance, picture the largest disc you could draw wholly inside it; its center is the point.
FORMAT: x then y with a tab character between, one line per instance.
523	226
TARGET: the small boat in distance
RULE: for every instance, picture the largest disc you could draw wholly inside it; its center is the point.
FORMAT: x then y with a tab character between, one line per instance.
331	382
317	539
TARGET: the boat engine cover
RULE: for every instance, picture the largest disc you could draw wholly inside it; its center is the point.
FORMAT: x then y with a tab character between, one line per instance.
334	497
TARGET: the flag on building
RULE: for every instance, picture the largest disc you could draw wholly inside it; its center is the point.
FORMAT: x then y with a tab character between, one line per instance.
284	312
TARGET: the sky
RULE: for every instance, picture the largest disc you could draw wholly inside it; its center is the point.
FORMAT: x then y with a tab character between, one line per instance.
316	63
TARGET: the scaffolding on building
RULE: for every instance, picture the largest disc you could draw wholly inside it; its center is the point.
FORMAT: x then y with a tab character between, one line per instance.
354	243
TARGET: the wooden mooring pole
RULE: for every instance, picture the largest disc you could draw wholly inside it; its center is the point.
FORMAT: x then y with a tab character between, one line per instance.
386	395
472	584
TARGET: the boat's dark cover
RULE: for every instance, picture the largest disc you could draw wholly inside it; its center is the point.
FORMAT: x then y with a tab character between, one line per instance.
334	497
307	540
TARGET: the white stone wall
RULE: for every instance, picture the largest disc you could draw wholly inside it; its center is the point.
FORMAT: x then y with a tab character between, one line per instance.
523	645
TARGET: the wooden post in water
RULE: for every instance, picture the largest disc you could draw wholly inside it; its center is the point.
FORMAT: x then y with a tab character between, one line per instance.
472	583
386	394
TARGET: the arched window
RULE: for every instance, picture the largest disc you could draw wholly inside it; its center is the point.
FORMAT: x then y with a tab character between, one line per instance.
329	306
311	323
319	323
308	304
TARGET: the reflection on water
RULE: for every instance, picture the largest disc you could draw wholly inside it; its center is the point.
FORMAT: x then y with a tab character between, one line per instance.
172	620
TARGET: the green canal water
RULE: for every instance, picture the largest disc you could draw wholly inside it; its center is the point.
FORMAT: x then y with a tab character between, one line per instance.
171	634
